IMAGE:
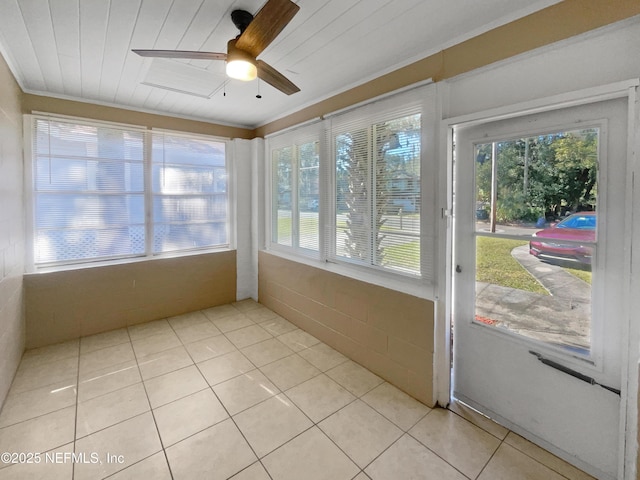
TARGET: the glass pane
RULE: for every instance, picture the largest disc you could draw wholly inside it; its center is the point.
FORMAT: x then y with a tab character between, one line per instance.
177	179
353	209
308	195
81	175
397	199
57	245
88	184
87	210
61	139
179	150
536	181
283	181
544	190
189	181
172	237
189	209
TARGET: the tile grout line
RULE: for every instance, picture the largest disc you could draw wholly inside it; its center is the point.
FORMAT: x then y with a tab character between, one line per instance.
153	415
538	461
431	450
230	417
313	424
404	432
317	424
504	441
135	356
282	392
490	458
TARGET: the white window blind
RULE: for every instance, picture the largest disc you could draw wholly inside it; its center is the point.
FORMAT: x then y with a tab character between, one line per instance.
95	185
377	171
383	185
88	186
190	206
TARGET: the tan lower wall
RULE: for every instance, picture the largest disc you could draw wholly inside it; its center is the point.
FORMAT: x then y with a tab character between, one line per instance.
12	237
70	304
389	332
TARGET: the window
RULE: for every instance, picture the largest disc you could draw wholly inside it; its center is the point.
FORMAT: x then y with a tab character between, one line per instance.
357	189
189	193
377	170
296	194
95	186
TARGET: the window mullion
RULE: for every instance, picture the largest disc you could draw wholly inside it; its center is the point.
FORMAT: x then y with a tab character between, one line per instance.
326	196
295	200
371	181
148	193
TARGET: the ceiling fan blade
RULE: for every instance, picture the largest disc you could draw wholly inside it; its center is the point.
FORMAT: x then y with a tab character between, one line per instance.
266	25
274	78
181	54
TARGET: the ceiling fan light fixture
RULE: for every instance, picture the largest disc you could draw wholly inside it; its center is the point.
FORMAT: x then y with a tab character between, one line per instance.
256	33
241	69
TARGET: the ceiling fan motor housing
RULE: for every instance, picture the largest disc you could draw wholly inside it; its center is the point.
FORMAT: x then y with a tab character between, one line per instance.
234	53
241	19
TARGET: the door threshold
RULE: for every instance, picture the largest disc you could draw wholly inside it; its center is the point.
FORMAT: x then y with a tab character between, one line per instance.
536	448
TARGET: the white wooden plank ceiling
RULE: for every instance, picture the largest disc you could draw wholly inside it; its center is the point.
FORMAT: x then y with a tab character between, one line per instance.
81	49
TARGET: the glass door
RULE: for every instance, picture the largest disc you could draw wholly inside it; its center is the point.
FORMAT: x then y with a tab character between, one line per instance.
538	233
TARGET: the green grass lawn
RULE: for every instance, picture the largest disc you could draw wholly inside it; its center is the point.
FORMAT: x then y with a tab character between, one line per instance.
494	264
284	227
584	275
406	255
308	225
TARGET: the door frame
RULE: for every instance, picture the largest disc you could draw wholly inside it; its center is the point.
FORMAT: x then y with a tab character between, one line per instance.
630	354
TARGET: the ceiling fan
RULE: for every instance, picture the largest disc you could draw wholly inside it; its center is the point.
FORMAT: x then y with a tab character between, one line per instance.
256	33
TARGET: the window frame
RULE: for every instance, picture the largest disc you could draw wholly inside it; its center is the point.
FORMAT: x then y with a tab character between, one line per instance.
148	194
369	125
294	139
423	98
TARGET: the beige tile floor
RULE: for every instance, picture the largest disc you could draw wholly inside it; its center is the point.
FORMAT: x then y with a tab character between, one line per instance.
238	392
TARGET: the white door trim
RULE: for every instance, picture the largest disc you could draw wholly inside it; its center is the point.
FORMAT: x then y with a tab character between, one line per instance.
630	367
443	305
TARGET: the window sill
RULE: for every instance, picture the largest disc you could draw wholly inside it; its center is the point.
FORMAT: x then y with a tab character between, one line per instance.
416	287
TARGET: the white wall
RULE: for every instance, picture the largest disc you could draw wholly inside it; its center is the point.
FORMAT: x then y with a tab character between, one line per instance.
599	57
258	203
247	272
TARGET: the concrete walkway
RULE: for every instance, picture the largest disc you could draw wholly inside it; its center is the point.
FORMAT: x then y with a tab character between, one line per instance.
563	317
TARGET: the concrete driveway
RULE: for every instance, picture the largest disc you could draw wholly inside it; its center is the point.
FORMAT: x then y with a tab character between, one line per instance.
563	317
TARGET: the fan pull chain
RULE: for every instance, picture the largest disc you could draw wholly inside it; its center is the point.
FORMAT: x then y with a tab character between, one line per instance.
258	95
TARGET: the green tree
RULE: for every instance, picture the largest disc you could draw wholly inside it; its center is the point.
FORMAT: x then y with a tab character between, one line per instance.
561	174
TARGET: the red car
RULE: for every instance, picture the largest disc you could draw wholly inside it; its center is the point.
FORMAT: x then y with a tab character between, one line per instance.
579	227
